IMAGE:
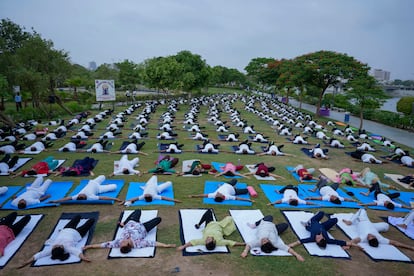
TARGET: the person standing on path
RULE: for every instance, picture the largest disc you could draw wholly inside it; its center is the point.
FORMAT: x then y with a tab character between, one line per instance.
18	100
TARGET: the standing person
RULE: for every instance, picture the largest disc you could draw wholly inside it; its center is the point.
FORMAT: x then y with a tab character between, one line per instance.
9	229
214	232
267	237
133	234
18	101
65	242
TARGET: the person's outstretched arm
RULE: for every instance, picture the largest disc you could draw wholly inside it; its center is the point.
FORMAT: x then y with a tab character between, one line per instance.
166	245
275	202
61	200
92	246
245	252
170	199
29	261
198	196
297	255
184	246
110	198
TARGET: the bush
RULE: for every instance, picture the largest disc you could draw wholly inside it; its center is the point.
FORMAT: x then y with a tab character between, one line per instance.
405	105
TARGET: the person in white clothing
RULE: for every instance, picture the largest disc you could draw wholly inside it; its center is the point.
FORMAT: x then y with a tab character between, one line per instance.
37	146
34	194
7	149
50	137
92	190
369	232
365	147
335	143
126	166
260	138
226	191
29	137
290	196
232	137
244	148
274	150
407	161
382	199
152	191
133	147
7	163
200	136
80	135
98	147
328	193
65	243
298	139
365	157
408	219
267	238
321	135
319	153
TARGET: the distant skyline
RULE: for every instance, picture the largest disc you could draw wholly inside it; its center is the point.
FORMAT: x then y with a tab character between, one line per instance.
228	33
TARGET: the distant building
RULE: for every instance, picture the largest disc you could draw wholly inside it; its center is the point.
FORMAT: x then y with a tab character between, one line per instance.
381	75
92	66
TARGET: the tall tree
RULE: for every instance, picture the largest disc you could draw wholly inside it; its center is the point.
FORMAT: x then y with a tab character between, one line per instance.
128	74
257	70
328	68
365	93
194	73
163	73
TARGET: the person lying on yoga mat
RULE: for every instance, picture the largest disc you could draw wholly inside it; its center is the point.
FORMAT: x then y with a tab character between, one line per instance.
80	167
209	147
319	232
382	199
348	177
46	166
132	147
274	150
8	162
263	170
229	169
152	191
126	166
408	179
367	176
365	157
267	238
133	235
226	191
290	196
9	229
34	194
245	148
196	168
213	232
165	165
328	193
408	219
304	173
64	244
91	191
368	231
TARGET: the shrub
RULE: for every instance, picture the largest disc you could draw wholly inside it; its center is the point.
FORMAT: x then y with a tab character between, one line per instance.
405	105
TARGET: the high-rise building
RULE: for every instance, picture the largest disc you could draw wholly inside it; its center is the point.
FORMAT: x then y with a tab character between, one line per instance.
92	66
381	75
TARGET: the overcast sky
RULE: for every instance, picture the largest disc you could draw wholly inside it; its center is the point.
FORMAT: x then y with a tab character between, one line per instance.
224	32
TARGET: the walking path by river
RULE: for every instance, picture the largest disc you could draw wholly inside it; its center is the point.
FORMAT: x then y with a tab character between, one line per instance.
395	134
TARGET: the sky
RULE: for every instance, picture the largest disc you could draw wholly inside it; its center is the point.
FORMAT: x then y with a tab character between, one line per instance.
228	33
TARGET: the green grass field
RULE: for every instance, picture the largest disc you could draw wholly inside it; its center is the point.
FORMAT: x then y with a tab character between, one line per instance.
168	232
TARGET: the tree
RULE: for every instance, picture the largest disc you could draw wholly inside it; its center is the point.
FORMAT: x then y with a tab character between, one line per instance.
163	73
257	70
3	90
38	68
128	74
365	93
194	73
327	68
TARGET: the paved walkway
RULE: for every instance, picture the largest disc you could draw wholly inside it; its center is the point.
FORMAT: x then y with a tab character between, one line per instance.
395	134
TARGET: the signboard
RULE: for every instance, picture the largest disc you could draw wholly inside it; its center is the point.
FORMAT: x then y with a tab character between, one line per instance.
16	89
105	90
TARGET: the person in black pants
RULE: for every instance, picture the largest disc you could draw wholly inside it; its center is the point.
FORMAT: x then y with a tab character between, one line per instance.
9	229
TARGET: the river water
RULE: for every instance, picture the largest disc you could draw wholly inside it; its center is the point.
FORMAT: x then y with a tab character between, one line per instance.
390	105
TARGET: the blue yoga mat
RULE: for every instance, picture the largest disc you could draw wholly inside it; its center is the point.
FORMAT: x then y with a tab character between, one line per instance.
134	190
212	186
10	192
371	198
57	190
269	191
296	176
304	189
119	183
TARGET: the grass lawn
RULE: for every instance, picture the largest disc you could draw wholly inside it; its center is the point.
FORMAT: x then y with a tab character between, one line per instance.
166	259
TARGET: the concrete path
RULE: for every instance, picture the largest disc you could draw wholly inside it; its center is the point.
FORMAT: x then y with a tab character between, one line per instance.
395	134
